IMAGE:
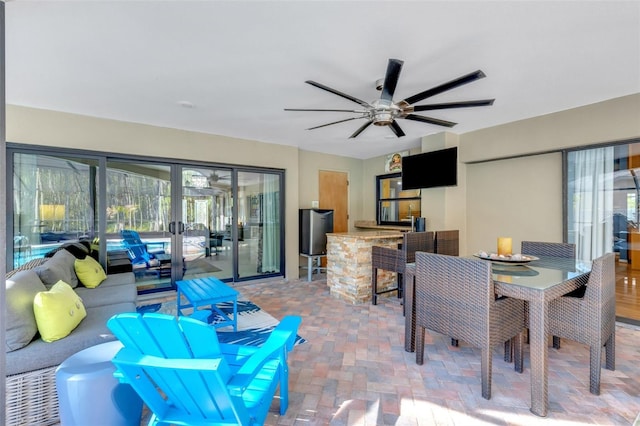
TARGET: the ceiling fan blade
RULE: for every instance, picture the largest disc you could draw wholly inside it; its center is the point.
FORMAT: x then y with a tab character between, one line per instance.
334	122
395	127
391	79
430	120
361	129
465	104
469	78
337	92
324	110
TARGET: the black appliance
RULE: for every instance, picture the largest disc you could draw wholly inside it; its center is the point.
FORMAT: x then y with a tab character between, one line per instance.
314	226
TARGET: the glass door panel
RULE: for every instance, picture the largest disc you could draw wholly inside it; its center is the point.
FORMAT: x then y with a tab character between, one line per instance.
139	217
53	203
259	224
207	209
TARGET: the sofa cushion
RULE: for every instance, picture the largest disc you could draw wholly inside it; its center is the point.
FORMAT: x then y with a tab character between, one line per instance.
58	311
107	294
119	279
89	272
20	321
91	331
58	268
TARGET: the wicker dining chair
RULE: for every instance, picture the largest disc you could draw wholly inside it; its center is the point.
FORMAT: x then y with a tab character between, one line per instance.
590	320
448	242
541	248
396	259
455	297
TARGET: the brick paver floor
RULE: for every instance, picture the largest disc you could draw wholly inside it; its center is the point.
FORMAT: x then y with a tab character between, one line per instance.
354	371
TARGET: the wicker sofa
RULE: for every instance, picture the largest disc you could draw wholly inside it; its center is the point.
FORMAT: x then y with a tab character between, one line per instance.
31	397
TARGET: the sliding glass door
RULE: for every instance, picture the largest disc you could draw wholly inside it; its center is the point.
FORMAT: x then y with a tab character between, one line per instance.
231	241
259	228
207	209
602	214
140	220
173	221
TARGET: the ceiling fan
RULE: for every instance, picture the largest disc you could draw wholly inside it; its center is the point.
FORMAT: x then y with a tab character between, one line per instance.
214	177
385	111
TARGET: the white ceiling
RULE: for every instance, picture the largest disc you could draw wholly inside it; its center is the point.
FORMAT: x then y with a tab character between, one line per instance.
240	63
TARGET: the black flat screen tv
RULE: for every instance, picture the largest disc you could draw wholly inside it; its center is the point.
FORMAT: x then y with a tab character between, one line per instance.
430	169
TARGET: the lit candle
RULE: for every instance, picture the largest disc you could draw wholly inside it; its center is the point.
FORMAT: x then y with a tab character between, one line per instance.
504	246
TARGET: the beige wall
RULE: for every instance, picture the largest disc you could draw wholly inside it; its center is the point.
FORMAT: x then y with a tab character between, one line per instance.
519	198
608	121
56	129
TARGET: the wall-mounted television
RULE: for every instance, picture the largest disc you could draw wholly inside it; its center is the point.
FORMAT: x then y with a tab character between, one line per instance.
430	169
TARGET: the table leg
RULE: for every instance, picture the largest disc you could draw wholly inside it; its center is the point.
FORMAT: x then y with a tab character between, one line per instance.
539	360
309	268
410	312
178	298
235	314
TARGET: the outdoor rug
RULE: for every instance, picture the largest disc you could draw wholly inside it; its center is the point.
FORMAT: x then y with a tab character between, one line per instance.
254	324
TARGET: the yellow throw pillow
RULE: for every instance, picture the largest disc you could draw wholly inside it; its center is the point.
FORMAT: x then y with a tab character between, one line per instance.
89	272
58	311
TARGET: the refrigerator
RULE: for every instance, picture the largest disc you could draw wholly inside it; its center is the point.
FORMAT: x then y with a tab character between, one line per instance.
314	226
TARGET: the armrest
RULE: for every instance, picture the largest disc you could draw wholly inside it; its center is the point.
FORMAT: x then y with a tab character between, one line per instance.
279	342
131	357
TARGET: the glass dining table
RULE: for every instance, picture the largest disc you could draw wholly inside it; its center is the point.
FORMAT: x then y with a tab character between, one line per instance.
537	282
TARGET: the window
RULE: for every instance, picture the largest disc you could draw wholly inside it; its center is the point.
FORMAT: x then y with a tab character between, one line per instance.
393	205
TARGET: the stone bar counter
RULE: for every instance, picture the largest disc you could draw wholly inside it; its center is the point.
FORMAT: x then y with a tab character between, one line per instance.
349	263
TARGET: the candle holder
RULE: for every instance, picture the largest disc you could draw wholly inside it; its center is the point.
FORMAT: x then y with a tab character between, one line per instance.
504	246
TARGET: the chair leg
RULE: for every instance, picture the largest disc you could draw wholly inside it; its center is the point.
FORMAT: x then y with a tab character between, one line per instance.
374	286
610	352
556	342
485	368
399	278
508	351
516	345
595	354
284	388
419	345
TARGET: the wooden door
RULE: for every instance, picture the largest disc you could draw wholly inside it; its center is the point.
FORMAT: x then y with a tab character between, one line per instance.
334	194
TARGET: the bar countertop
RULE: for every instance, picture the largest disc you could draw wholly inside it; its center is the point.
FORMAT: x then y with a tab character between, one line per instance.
371	224
367	235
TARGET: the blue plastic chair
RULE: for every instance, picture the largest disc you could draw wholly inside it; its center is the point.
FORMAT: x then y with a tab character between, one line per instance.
140	254
186	377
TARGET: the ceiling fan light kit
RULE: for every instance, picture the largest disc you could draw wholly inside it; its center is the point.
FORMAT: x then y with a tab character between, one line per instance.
385	111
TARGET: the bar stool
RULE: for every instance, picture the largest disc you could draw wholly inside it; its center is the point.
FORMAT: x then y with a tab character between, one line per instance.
395	260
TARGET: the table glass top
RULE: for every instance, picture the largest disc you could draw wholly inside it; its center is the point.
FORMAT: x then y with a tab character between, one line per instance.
542	274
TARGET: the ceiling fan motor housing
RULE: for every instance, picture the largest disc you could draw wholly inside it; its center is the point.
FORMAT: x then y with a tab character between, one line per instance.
384	111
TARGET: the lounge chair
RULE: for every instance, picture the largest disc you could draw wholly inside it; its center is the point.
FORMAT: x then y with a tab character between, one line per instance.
141	256
186	377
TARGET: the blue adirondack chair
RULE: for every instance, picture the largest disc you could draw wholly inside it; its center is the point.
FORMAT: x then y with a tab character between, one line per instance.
186	377
140	254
